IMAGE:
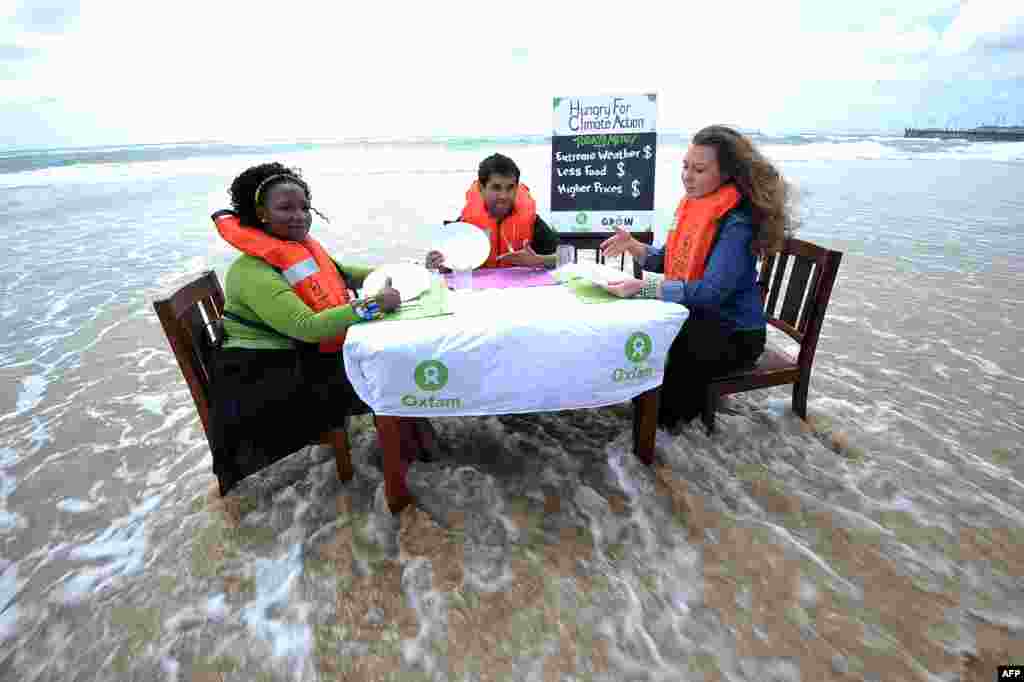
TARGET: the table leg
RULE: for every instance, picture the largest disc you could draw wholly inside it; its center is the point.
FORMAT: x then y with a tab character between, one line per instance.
389	432
645	423
410	439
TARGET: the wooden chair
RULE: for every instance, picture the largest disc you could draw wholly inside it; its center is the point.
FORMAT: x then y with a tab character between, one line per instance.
191	320
808	291
586	241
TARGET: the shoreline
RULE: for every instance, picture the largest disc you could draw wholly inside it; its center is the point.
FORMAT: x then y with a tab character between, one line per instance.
971	134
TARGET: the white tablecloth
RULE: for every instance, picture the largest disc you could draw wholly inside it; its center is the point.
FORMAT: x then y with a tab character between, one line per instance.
512	350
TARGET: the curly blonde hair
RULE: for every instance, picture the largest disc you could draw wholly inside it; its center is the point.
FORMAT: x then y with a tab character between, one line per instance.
758	181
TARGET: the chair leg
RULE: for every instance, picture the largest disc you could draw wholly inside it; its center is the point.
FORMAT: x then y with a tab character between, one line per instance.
338	440
800	396
409	438
708	415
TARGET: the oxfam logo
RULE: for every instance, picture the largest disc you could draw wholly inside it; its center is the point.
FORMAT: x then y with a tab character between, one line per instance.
638	347
431	375
581	218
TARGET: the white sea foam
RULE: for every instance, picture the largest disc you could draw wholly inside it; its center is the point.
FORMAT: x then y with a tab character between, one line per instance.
11	520
357	161
8	607
75	506
154	404
170	668
122	546
33	388
216	607
987	366
275	579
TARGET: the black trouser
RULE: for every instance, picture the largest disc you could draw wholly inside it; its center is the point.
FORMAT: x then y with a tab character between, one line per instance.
701	351
266	404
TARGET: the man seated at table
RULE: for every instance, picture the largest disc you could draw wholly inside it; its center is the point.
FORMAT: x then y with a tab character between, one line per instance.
502	207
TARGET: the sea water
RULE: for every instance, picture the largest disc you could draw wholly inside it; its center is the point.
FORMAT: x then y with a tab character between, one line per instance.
881	537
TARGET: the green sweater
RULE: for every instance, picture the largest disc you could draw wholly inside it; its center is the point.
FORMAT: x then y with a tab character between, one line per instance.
256	291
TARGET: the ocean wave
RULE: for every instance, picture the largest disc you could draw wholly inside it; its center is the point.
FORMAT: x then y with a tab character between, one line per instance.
880	149
118	163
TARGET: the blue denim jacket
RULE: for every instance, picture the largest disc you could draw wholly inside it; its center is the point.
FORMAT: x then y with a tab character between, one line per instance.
728	291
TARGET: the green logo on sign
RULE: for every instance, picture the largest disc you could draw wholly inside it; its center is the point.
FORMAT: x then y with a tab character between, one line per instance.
431	375
638	347
581	218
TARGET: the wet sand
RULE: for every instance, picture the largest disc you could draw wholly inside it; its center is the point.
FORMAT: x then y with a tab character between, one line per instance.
591	566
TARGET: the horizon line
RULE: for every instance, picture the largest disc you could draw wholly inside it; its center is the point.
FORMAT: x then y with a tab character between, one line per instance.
10	149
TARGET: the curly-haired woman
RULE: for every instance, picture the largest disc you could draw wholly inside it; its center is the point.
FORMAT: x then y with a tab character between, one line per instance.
279	379
736	206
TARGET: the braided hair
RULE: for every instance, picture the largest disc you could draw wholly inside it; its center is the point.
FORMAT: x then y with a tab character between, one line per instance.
244	187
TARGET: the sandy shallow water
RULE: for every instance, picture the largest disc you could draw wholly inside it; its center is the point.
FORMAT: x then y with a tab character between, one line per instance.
880	540
743	558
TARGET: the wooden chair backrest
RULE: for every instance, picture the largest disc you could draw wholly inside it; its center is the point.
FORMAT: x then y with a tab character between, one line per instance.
191	320
808	289
586	241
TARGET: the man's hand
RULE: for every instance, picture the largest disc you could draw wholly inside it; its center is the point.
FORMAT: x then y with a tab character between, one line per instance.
619	243
388	298
624	288
434	260
526	257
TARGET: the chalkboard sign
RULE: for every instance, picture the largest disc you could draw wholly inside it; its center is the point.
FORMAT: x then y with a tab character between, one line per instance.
603	154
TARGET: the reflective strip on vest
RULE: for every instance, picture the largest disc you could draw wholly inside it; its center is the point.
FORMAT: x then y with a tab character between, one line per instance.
300	271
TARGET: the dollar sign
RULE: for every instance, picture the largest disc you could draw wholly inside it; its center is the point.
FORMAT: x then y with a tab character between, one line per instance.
636	188
647	151
621	167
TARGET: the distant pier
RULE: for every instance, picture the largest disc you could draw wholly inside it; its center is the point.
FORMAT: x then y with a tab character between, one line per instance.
985	133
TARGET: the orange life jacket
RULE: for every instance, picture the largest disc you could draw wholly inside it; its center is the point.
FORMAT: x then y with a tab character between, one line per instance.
305	265
517	225
688	245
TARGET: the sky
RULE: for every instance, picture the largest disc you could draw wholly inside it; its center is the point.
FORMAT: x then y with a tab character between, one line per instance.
97	72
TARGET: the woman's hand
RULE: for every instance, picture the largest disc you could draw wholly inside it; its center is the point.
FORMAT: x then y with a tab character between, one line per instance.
622	242
624	288
388	298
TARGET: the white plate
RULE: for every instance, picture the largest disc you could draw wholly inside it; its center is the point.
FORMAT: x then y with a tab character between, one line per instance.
599	274
464	246
410	280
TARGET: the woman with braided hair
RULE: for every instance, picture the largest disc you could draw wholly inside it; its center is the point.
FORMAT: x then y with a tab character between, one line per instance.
736	206
279	379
